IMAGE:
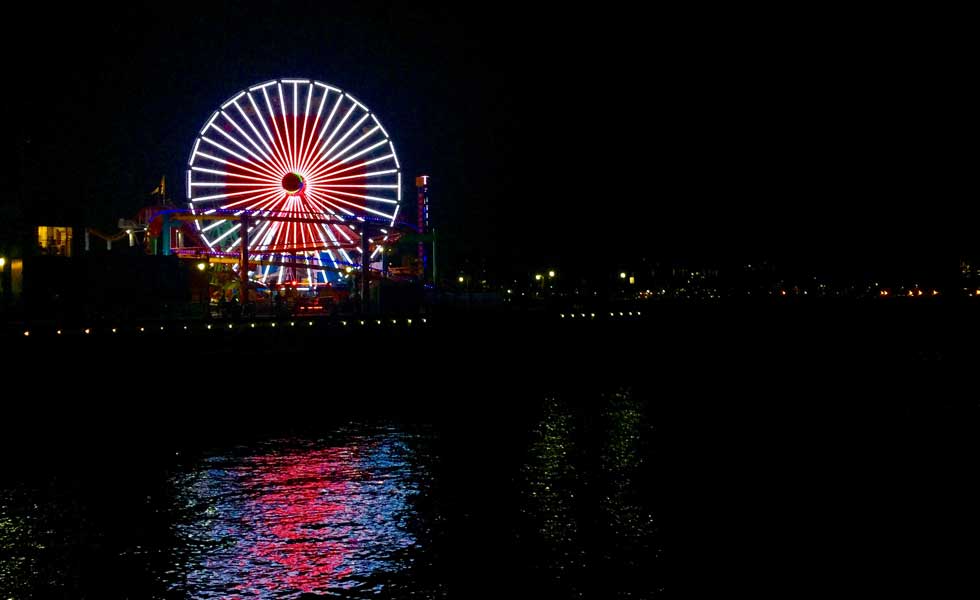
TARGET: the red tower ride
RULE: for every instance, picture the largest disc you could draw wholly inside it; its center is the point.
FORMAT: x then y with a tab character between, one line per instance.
422	185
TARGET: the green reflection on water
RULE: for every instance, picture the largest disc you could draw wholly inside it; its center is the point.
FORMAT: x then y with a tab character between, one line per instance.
622	457
589	496
551	476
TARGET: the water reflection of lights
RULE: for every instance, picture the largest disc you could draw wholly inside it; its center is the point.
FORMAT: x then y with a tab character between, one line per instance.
308	519
19	547
621	459
561	485
551	481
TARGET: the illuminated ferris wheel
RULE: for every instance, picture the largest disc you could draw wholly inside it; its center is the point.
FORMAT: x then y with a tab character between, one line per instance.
308	166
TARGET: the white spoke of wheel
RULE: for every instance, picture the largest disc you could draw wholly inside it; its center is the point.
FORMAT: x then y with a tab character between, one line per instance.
260	203
371	198
311	197
360	206
306	120
352	129
273	149
281	148
268	234
295	124
285	129
213	225
226	174
341	231
265	156
256	247
214	184
265	177
266	170
314	149
364	151
326	144
330	170
354	144
316	123
325	201
248	237
229	137
326	245
363	176
226	234
220	196
240	202
360	186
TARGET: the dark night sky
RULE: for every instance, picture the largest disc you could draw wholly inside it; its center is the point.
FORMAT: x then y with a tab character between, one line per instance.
574	138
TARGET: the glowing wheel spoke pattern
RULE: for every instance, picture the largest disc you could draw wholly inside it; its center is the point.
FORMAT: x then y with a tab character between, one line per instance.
307	162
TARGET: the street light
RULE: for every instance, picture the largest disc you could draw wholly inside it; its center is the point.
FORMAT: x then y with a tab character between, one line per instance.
622	275
551	274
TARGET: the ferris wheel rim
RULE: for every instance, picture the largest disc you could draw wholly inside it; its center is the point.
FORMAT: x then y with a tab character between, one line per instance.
262	160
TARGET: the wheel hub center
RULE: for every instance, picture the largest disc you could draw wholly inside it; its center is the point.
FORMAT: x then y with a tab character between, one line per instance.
293	183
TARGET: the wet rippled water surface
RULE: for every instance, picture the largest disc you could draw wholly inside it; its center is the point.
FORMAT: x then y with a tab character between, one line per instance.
290	516
553	504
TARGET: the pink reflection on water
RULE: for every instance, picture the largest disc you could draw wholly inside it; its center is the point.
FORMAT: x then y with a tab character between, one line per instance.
298	506
298	519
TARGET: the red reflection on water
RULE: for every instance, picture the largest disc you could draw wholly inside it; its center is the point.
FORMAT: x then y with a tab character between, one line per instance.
299	505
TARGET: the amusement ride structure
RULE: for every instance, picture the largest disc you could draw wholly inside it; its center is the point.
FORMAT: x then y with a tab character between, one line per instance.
289	182
305	170
295	180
